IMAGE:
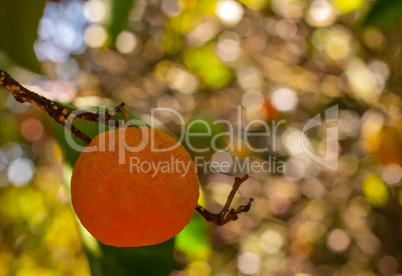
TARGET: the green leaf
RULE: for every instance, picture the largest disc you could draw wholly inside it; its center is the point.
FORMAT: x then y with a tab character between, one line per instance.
118	17
383	14
19	20
193	240
155	260
91	129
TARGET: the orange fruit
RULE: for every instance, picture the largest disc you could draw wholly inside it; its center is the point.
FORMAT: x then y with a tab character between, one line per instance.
123	198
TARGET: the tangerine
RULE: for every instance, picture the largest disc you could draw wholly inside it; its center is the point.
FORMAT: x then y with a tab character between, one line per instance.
129	189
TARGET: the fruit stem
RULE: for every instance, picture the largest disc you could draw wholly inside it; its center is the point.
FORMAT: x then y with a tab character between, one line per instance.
227	215
122	110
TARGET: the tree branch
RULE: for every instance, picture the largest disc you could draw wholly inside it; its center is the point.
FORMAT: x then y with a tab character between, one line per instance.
58	112
227	215
65	115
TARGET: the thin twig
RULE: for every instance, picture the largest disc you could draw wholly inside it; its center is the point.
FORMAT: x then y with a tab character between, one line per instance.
61	114
227	215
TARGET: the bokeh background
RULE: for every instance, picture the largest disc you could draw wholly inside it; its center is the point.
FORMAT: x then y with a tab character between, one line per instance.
278	59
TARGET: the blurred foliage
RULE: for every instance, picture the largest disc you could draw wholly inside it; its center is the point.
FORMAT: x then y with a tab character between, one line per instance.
119	12
349	6
22	19
278	60
204	63
384	14
193	240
